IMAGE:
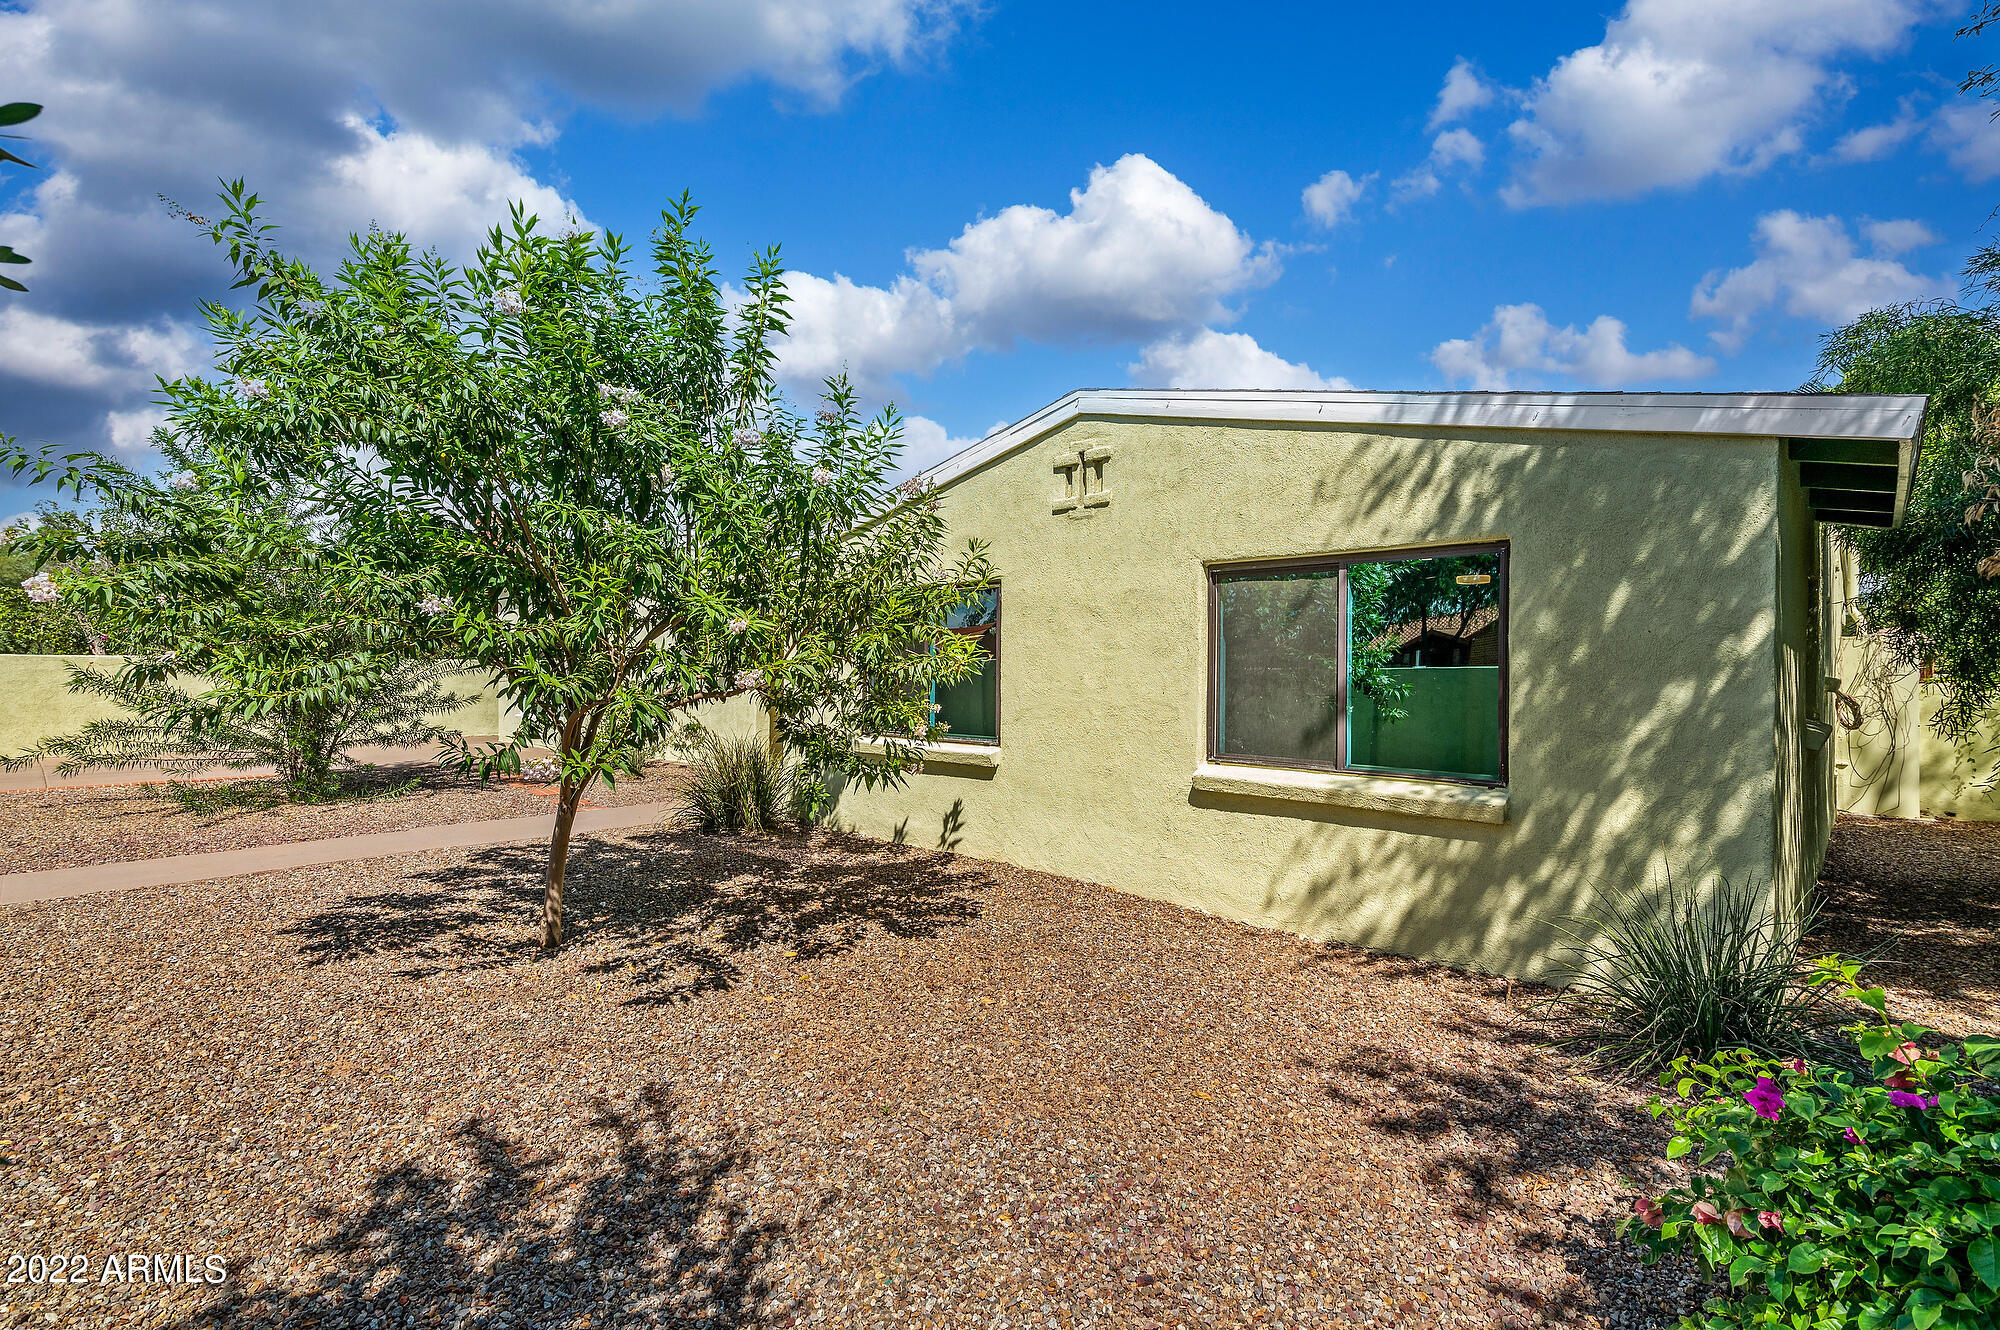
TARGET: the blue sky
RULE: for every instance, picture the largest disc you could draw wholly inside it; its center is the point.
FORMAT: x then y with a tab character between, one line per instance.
989	205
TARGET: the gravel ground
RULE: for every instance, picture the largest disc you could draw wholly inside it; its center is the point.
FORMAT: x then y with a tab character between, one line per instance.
791	1081
68	828
1931	889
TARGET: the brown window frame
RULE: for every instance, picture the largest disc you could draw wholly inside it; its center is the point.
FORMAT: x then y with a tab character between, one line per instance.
999	612
1339	564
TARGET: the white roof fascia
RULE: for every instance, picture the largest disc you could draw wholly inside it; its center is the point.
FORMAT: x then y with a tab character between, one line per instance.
1894	419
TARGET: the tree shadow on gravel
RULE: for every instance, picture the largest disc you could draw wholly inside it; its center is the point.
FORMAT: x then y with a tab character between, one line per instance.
669	912
1929	889
1492	1131
516	1239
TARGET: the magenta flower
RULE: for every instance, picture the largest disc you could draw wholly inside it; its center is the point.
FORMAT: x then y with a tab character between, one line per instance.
1851	1136
1920	1102
1771	1219
1764	1098
1798	1065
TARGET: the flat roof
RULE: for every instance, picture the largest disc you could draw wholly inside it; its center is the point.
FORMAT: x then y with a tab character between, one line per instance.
1857	452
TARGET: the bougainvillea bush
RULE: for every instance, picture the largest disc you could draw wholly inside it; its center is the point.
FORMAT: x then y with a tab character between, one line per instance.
1845	1197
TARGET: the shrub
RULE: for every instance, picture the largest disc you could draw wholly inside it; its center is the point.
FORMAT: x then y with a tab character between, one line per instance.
738	786
1686	973
1868	1199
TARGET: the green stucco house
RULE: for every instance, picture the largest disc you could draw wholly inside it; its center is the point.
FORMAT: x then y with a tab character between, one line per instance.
1417	671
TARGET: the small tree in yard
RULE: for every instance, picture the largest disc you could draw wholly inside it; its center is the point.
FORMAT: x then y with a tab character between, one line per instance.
253	639
596	489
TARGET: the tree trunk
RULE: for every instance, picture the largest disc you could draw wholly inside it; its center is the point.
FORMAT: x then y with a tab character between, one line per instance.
568	797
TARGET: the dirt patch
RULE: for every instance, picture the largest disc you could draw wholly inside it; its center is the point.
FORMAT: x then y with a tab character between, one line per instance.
787	1080
69	828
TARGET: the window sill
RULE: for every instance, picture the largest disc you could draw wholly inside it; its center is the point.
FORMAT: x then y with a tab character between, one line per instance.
985	757
1349	789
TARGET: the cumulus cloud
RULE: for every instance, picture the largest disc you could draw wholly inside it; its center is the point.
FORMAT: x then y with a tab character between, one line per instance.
402	113
1463	93
1137	254
1811	268
1453	150
1871	143
1966	133
926	443
1680	90
1206	358
1330	200
1519	347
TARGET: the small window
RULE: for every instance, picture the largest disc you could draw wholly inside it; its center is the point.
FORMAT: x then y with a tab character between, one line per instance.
970	710
1395	664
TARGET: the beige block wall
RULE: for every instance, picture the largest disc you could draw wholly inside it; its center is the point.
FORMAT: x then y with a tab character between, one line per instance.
1895	765
1643	676
36	704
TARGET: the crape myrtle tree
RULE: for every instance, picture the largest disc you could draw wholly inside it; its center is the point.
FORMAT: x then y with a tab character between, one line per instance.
598	488
251	634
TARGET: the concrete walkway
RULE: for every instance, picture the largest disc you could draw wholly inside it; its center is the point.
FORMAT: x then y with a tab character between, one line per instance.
57	883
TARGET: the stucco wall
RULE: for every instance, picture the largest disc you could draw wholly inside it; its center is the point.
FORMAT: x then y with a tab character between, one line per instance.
1643	641
36	704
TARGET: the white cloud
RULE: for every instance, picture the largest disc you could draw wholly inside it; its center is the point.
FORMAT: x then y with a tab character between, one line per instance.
926	443
1812	269
132	431
1418	183
1680	90
1871	143
63	353
1458	147
1138	253
450	194
1966	133
1463	93
1453	150
1520	341
1330	199
1206	358
403	112
1898	237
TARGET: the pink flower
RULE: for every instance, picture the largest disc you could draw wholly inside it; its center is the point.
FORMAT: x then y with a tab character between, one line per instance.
1920	1102
1738	1223
1902	1080
1704	1213
1765	1099
1851	1136
1798	1065
1771	1219
1907	1054
1649	1211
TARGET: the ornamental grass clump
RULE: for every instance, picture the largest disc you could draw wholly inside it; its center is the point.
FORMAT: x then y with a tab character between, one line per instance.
737	786
1838	1197
1686	972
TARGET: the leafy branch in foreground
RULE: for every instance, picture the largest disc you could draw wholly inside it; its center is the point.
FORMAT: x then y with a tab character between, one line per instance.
15	113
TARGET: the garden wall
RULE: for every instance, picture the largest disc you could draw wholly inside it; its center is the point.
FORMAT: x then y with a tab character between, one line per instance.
38	704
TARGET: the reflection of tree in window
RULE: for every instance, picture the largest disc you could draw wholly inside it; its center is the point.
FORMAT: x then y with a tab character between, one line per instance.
1426	695
970	709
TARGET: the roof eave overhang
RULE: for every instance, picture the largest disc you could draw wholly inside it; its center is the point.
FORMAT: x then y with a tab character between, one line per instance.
1887	419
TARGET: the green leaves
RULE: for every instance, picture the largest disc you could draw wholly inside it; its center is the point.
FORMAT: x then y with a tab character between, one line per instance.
15	113
1982	1257
1844	1209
